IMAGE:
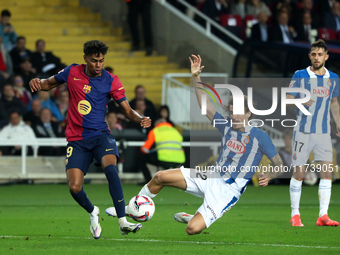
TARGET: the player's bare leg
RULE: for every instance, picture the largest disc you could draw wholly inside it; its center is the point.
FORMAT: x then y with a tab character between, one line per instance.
325	187
172	178
75	179
196	225
295	195
108	163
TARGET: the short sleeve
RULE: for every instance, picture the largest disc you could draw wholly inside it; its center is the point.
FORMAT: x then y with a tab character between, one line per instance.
62	76
267	146
335	81
117	90
295	83
220	122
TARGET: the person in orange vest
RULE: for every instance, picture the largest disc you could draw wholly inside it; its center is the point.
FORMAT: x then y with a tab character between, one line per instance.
167	151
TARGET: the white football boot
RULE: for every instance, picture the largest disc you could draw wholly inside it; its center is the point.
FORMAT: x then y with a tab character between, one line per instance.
95	227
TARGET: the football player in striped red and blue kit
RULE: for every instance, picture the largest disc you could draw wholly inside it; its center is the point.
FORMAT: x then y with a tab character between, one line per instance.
90	87
242	147
313	131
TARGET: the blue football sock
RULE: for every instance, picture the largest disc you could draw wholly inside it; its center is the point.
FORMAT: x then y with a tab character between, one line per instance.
116	189
83	200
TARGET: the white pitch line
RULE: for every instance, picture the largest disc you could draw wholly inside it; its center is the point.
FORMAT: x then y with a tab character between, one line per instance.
180	242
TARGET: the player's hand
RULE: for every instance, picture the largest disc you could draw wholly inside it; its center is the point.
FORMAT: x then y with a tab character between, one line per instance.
263	180
35	84
146	122
196	67
309	103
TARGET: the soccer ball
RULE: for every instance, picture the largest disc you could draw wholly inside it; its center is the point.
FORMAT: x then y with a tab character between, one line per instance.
141	208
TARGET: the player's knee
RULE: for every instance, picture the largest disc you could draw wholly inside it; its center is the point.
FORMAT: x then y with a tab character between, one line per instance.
159	177
193	230
74	187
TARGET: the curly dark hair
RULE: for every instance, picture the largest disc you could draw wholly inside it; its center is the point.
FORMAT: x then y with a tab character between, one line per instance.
95	47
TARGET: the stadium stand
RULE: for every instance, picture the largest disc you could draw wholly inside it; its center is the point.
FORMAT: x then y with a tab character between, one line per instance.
65	30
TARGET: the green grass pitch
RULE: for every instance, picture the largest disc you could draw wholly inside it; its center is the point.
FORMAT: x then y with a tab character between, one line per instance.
44	219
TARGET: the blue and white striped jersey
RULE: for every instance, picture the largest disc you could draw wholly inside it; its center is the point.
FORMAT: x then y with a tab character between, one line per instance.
241	152
322	89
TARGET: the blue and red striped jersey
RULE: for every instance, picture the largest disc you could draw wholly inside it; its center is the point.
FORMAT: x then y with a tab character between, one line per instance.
88	97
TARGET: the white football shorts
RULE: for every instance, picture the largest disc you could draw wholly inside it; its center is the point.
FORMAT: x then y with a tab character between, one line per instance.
218	196
305	143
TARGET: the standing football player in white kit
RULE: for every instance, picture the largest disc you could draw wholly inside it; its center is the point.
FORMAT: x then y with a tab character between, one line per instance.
313	131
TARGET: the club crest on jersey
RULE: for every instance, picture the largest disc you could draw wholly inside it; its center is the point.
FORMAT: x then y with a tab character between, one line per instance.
84	107
320	92
329	82
246	140
294	156
87	89
236	146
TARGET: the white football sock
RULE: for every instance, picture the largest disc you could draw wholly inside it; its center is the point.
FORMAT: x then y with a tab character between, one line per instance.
145	191
295	194
122	221
325	187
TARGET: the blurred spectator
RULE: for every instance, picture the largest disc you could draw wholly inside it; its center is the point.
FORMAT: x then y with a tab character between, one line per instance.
282	32
150	108
307	6
142	7
33	116
46	102
215	8
332	19
46	128
256	6
168	152
45	62
20	91
109	69
164	113
3	115
239	8
287	6
259	31
19	52
6	66
27	72
304	29
112	121
16	130
62	102
10	102
7	31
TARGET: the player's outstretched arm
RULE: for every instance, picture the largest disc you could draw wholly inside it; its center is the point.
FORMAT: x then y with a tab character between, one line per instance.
196	69
336	114
43	84
133	115
277	170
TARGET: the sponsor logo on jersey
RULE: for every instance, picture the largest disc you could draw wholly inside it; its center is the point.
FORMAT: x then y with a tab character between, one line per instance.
246	140
291	84
66	161
320	92
236	146
87	89
84	107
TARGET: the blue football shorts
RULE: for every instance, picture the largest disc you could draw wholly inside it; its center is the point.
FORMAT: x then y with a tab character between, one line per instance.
80	154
